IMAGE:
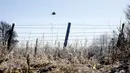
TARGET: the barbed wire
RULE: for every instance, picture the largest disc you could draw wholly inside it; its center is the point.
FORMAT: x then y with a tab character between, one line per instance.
63	24
57	33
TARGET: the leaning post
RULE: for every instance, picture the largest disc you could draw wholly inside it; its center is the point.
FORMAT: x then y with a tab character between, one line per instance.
67	35
10	37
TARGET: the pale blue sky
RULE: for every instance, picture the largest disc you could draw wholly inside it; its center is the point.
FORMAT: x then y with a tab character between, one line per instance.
75	11
37	12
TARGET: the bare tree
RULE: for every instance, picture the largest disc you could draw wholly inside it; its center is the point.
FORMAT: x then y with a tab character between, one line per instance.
4	34
127	13
127	29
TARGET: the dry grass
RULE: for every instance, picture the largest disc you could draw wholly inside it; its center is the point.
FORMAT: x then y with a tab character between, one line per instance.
53	60
70	63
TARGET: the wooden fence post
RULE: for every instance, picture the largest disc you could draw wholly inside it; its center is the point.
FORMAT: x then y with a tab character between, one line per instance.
35	51
67	35
26	52
10	37
121	37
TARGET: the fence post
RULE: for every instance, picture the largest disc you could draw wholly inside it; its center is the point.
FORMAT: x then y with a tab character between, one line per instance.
26	52
35	51
121	37
67	35
10	37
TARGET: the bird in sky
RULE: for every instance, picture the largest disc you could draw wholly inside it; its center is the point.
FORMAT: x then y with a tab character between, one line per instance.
53	13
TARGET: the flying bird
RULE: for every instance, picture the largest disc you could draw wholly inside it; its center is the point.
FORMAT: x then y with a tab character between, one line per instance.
53	13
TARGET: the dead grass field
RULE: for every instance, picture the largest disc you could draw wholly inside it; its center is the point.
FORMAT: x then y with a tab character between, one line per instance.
67	62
